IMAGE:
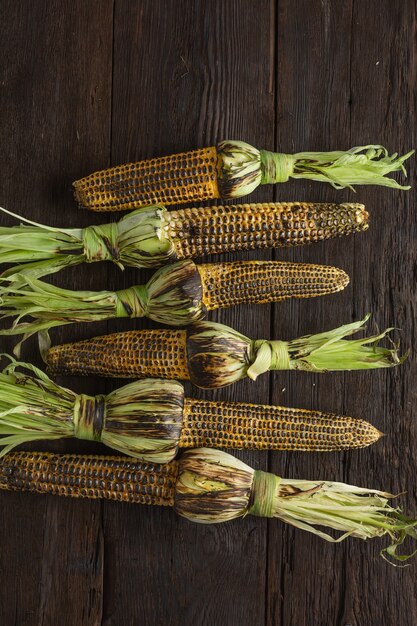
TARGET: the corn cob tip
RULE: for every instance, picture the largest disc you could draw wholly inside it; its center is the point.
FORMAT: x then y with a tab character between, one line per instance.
343	278
376	434
361	214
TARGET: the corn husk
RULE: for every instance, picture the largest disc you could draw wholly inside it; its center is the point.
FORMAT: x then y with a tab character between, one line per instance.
172	296
137	240
219	356
242	168
214	487
143	419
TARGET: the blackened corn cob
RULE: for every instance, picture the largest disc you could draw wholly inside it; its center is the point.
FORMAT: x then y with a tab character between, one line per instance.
214	230
152	236
231	170
258	282
81	476
151	419
211	486
179	178
132	354
177	294
214	355
251	426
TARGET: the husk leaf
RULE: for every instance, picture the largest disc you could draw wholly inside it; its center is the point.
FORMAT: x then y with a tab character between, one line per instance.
215	487
353	511
172	296
212	486
219	356
242	168
137	240
142	419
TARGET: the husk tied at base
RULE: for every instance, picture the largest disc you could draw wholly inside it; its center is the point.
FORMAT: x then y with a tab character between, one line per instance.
214	487
242	168
152	236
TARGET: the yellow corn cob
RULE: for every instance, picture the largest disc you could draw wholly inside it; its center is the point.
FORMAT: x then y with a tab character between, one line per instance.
132	354
258	282
231	170
151	418
252	426
177	294
152	236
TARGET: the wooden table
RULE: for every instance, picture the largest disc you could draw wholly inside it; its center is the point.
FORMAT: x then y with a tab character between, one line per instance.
85	84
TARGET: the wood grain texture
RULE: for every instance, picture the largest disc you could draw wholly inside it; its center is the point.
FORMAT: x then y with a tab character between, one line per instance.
55	103
356	84
178	76
87	84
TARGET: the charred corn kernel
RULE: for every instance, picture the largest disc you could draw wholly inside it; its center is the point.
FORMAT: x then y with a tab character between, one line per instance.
231	170
214	230
259	282
213	355
92	476
133	354
150	419
152	236
211	486
251	426
185	177
177	294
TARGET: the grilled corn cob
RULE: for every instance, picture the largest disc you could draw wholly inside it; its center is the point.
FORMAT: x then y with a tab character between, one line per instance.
152	236
213	355
150	419
231	170
177	294
210	486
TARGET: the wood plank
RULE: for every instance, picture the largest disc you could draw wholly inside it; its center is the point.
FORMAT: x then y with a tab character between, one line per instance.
187	75
305	75
346	76
55	97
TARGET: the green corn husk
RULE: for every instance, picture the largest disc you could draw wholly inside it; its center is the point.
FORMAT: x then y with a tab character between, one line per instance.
219	356
142	419
214	487
172	296
137	240
242	168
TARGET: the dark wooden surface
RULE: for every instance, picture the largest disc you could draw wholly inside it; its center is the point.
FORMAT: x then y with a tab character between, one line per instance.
87	83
